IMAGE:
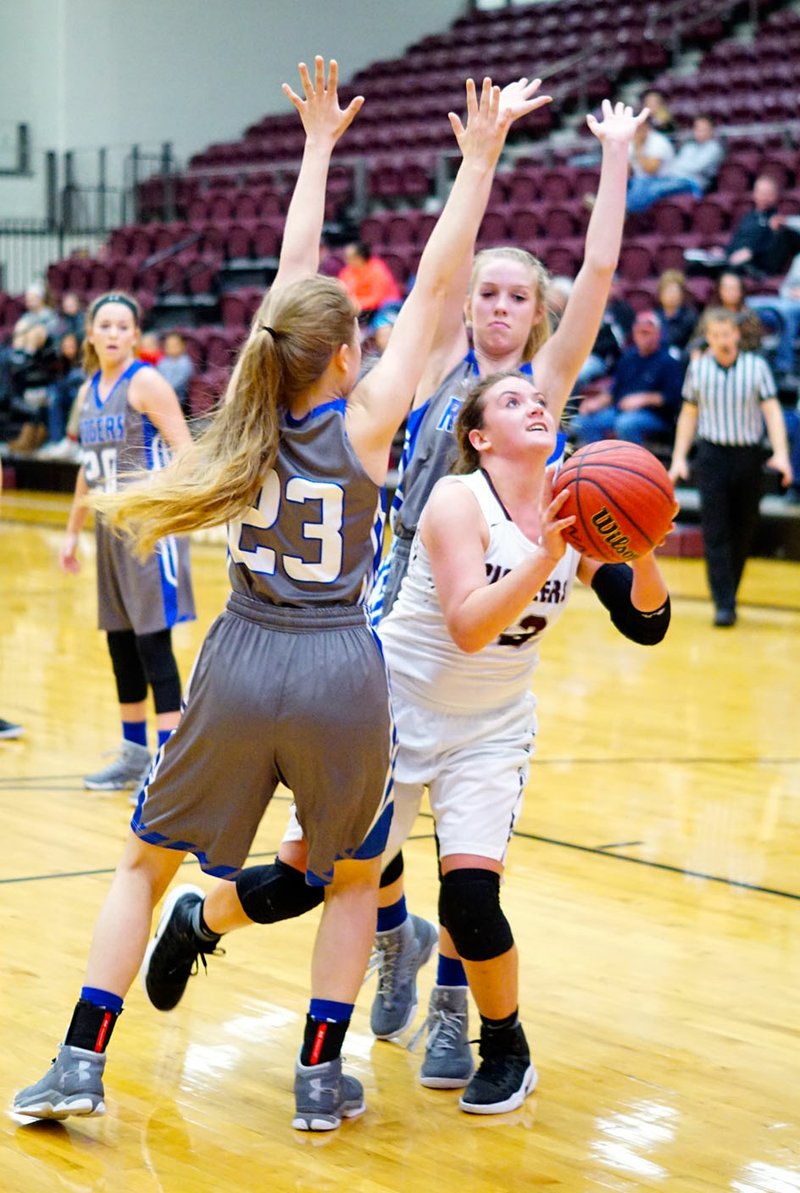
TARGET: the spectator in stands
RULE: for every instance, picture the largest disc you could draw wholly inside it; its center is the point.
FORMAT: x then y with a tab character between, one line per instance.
787	305
556	296
29	366
761	245
678	316
791	417
728	396
61	395
612	339
730	295
645	392
70	317
150	350
371	284
33	328
660	115
176	365
693	169
650	153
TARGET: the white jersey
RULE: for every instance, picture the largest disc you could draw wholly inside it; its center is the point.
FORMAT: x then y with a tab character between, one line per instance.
423	659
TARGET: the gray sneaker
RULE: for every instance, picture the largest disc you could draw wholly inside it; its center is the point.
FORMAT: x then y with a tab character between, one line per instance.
129	769
324	1095
398	955
448	1062
72	1085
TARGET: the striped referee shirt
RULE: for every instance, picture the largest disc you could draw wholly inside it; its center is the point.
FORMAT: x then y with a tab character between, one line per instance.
729	398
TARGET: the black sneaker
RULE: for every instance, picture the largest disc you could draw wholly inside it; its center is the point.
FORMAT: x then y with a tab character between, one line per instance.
175	952
506	1074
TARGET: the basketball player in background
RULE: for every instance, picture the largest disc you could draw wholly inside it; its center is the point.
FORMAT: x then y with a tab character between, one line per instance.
130	418
294	460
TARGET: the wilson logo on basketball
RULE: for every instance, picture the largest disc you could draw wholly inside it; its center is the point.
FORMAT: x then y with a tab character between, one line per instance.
608	530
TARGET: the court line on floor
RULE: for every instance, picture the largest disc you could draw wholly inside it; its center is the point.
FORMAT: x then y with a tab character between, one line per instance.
593	850
28	783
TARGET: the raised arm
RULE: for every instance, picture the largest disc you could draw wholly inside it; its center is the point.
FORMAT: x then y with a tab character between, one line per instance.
381	401
560	359
324	122
450	340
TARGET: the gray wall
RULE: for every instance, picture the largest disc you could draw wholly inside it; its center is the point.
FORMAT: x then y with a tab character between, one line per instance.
86	73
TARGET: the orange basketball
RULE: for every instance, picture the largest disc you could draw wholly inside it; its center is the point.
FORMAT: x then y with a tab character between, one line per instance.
622	499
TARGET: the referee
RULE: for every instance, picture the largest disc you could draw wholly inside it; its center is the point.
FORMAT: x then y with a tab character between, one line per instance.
728	396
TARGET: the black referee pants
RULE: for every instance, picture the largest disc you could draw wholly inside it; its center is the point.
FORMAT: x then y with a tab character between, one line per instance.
730	482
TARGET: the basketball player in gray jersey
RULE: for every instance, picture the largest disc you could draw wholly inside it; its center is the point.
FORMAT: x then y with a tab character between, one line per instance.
290	682
130	418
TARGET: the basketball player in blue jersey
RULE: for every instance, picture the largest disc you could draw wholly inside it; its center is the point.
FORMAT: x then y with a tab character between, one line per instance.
290	683
506	326
130	418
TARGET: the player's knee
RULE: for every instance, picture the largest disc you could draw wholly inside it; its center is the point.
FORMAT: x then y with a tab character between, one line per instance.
161	669
127	665
469	908
393	871
277	892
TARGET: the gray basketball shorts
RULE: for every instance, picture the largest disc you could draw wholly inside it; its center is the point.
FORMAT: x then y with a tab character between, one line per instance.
143	597
277	694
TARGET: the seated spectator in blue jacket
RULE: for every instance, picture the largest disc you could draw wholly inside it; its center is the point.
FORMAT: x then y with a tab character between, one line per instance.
693	168
645	392
787	305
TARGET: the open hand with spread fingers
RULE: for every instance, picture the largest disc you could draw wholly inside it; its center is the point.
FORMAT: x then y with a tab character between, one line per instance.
319	110
618	123
488	122
519	97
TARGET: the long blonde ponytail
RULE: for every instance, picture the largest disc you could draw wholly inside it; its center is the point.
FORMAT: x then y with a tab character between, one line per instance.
291	342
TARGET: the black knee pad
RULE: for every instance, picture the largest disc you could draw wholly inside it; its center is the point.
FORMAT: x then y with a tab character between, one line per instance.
127	664
469	908
161	669
393	871
277	892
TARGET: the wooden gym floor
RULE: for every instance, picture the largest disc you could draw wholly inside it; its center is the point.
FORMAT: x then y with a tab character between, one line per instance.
654	890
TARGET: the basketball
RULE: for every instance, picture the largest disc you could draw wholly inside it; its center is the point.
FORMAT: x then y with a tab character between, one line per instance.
622	498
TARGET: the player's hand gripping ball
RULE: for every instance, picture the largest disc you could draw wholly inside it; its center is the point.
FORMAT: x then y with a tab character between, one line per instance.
622	498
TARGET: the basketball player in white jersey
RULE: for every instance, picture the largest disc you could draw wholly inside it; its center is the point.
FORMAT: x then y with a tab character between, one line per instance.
490	571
